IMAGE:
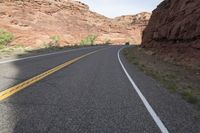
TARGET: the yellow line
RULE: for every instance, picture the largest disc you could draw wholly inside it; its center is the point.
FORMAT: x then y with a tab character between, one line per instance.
9	92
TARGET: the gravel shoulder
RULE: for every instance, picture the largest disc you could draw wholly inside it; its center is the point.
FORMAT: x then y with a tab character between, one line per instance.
177	79
178	115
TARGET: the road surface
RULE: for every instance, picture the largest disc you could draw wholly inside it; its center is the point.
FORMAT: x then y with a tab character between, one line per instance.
100	92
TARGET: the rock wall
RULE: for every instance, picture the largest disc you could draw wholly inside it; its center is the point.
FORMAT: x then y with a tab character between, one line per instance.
134	24
33	22
174	31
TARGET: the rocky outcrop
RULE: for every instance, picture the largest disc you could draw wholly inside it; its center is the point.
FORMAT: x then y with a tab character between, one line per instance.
134	24
174	31
138	19
33	22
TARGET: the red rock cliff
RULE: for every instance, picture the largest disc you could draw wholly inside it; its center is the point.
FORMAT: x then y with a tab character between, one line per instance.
33	22
174	30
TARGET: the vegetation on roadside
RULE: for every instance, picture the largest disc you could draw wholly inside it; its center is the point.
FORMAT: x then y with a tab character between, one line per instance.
20	50
127	43
5	38
53	44
170	76
55	39
189	96
107	41
89	40
6	49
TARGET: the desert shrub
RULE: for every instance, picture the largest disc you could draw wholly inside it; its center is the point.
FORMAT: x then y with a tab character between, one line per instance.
189	96
89	40
19	46
2	46
127	43
47	45
5	38
55	40
107	41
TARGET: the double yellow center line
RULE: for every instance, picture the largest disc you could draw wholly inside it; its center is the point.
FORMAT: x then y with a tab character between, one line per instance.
8	92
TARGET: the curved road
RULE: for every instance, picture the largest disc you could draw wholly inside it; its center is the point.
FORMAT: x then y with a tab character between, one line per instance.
92	95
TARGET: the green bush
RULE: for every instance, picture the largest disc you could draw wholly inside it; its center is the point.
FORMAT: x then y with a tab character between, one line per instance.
2	46
89	40
5	38
47	45
19	46
55	39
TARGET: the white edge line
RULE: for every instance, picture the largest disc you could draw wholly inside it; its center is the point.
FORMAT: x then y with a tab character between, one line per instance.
146	103
36	56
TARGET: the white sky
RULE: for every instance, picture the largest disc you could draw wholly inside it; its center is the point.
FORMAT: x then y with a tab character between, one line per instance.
113	8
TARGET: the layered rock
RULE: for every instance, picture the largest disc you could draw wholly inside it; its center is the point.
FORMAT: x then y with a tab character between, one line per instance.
174	31
134	24
138	19
33	22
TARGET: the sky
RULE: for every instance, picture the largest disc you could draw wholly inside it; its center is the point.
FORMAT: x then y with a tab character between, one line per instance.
114	8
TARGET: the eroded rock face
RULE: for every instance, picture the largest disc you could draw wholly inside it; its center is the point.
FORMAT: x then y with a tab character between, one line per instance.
174	31
138	19
33	22
134	24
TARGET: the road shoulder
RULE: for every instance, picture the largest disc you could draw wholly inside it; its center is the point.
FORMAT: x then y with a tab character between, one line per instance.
177	114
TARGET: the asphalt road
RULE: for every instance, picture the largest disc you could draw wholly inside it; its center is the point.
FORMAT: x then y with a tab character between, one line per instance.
91	95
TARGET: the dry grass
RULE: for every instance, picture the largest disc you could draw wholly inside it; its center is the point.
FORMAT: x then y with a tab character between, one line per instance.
178	79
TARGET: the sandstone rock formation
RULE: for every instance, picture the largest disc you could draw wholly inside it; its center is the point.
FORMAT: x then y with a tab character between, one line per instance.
174	31
33	22
134	24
